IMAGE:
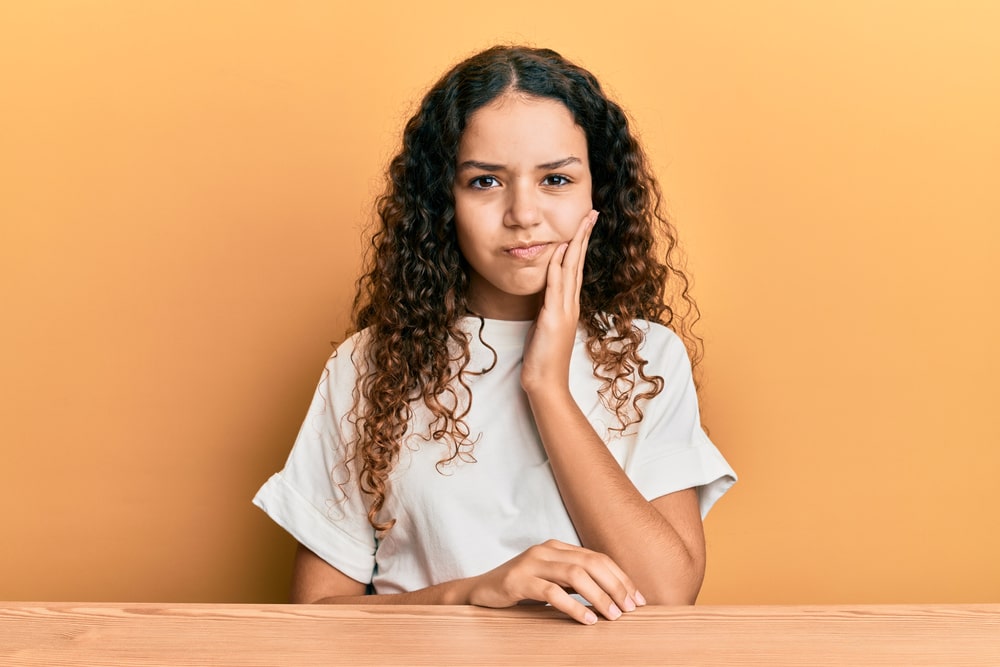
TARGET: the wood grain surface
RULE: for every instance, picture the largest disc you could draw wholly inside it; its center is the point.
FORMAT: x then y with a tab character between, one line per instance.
54	634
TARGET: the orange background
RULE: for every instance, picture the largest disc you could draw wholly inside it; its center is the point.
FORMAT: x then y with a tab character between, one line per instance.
183	187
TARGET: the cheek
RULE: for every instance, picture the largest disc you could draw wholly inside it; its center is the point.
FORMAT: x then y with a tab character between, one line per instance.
463	239
471	212
464	221
568	212
469	242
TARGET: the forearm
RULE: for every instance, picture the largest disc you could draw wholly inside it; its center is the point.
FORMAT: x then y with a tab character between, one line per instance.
543	572
451	592
315	581
608	512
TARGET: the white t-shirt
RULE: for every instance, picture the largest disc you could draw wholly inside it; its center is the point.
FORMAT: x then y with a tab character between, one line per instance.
473	514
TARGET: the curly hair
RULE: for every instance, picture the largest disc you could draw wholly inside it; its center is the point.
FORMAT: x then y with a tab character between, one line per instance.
412	293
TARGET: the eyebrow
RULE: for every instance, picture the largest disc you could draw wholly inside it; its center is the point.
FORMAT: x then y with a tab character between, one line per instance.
488	166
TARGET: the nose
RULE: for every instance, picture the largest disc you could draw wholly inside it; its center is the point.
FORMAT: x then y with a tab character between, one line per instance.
522	206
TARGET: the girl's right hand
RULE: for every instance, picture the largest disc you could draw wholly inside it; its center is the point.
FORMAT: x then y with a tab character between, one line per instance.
548	572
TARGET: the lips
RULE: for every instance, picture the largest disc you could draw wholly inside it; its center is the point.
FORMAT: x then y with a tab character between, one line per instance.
527	250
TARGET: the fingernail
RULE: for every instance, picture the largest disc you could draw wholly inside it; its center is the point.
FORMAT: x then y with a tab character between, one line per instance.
639	600
590	618
614	612
629	604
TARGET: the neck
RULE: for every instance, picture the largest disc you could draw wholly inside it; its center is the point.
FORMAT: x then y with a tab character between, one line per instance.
507	307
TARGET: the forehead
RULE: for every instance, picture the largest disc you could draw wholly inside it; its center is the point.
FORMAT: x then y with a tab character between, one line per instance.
515	127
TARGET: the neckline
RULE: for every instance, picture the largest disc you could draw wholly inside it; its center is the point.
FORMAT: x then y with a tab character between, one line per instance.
497	333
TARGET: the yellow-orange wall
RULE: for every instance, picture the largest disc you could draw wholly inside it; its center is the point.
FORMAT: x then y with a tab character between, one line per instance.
182	191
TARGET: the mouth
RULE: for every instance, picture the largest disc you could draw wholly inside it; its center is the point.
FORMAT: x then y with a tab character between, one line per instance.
526	250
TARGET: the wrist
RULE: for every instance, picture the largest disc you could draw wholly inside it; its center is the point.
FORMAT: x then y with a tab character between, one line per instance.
548	395
457	592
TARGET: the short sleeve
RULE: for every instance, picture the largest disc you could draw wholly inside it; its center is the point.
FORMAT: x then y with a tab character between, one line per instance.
672	451
315	497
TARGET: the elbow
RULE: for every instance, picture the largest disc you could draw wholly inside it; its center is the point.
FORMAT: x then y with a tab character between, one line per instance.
680	588
672	597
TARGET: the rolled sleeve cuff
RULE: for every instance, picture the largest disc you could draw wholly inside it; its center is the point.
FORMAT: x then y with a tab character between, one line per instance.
314	529
701	467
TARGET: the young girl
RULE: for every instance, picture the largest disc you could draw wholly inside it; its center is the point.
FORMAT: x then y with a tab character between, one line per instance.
512	419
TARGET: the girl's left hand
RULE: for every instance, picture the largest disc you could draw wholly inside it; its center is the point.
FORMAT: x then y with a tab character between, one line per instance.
549	343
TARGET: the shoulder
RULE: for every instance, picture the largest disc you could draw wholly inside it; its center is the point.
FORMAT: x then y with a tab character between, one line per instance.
357	341
656	334
658	340
663	350
655	341
348	359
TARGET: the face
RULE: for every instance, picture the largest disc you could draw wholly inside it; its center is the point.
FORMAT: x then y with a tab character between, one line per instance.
522	187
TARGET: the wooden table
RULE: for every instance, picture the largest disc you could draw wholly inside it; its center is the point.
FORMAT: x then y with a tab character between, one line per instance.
65	634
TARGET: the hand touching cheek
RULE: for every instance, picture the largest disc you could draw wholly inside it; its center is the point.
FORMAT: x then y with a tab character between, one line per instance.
550	340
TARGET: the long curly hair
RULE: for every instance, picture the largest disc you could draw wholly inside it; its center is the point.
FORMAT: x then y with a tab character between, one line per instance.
412	292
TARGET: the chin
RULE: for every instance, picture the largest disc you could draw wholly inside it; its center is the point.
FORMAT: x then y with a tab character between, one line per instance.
526	290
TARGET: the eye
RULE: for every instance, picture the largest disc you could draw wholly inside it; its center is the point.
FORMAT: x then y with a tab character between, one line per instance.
556	180
484	182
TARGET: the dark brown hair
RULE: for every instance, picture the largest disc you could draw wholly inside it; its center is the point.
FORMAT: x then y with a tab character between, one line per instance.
413	291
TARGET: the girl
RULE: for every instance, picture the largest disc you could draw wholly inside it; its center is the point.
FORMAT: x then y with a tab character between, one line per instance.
512	419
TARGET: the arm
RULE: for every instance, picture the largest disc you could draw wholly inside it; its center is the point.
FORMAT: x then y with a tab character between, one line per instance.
659	543
316	581
541	573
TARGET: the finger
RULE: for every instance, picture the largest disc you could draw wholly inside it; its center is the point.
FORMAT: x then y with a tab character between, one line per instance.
583	253
581	581
615	583
573	263
573	254
603	570
554	278
554	595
